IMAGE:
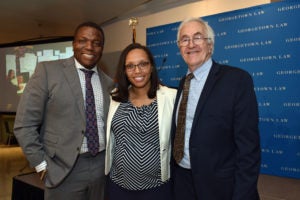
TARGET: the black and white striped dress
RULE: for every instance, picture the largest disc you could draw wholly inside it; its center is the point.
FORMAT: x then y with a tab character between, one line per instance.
136	158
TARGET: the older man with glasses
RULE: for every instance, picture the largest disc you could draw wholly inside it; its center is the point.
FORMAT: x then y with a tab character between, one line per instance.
215	138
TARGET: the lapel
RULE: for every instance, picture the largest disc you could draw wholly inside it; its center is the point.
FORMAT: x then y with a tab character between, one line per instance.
212	78
105	90
72	79
161	95
179	90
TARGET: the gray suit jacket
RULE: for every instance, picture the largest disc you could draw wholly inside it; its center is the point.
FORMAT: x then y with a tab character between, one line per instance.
50	120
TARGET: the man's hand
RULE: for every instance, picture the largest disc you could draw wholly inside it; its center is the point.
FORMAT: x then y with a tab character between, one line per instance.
42	174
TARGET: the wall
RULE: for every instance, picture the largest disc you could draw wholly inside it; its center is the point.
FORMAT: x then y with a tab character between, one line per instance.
118	35
4	136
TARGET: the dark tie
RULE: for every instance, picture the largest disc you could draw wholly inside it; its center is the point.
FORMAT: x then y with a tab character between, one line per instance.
180	130
90	111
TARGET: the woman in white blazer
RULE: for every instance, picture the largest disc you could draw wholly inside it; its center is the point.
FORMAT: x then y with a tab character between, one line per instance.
138	130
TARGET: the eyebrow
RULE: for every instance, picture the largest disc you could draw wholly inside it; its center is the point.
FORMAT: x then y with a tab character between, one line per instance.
197	33
141	61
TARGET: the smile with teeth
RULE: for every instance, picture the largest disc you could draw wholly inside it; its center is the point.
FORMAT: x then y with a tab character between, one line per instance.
139	78
191	52
88	55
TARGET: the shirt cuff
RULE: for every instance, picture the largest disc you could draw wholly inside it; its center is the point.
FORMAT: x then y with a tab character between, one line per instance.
42	166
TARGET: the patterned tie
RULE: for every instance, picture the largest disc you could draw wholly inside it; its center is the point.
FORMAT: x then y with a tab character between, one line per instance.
90	111
180	130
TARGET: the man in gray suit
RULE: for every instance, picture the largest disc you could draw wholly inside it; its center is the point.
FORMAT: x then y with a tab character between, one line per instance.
51	121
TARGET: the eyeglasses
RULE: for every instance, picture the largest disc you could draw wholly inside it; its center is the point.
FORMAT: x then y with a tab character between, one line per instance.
196	40
142	66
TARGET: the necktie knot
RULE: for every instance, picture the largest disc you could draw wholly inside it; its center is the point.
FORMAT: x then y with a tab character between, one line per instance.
189	77
88	73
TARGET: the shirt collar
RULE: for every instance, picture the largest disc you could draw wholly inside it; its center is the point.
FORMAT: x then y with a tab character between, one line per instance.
79	66
203	69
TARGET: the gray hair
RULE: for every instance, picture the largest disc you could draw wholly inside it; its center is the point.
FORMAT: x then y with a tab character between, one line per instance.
208	29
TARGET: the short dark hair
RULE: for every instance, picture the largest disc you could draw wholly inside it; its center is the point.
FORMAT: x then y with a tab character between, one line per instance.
121	93
90	24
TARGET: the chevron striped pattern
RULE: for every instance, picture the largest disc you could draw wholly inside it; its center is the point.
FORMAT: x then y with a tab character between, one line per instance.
136	158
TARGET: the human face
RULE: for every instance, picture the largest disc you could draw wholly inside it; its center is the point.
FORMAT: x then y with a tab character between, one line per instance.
87	46
139	76
11	74
194	54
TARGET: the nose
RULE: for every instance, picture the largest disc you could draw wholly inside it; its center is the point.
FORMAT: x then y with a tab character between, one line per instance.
136	68
89	45
191	43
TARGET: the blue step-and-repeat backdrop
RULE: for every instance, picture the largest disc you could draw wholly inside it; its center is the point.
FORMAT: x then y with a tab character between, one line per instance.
265	41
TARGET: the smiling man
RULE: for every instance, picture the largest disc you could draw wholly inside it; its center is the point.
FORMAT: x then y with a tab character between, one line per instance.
57	134
216	148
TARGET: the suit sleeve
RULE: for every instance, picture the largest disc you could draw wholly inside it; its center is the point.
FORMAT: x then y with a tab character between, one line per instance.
246	136
30	115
